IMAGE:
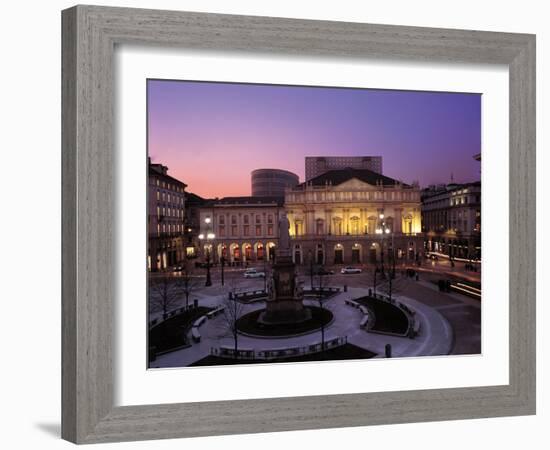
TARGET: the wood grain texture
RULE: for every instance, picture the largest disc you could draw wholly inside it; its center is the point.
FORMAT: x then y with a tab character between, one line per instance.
89	36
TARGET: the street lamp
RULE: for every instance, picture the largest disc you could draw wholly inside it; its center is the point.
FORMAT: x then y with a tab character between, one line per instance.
222	262
381	230
392	273
311	269
209	237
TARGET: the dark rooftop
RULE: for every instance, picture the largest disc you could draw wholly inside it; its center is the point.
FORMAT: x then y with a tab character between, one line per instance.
194	199
160	171
248	200
432	191
339	176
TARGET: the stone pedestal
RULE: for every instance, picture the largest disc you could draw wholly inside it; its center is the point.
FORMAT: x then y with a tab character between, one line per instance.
285	301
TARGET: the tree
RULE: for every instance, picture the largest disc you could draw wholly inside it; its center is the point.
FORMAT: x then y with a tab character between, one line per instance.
187	283
233	309
323	283
311	269
164	293
397	285
371	274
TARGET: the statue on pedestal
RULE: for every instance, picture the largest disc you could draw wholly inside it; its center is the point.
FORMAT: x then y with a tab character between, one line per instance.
284	233
285	296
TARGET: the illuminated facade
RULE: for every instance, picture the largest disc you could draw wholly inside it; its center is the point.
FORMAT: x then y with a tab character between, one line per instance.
354	216
241	229
451	220
341	217
165	219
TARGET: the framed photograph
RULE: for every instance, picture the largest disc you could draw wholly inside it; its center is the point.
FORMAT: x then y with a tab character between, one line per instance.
277	224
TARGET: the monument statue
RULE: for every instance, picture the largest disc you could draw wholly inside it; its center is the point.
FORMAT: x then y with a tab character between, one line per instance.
284	234
285	295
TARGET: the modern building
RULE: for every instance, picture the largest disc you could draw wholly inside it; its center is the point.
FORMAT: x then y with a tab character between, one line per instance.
354	216
272	182
340	217
318	165
166	218
241	229
451	220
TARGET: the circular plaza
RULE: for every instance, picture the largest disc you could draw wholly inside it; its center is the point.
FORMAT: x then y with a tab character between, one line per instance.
352	322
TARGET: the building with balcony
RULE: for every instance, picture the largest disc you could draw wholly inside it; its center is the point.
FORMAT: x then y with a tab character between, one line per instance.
451	220
318	165
352	216
341	217
165	219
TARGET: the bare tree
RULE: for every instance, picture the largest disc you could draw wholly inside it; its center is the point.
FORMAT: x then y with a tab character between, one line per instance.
187	283
394	286
233	309
164	293
372	277
323	283
311	269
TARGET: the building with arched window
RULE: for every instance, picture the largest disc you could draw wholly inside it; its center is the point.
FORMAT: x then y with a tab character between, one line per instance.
353	215
347	216
244	229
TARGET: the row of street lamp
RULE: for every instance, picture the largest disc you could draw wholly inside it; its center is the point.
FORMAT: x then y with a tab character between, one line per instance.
209	236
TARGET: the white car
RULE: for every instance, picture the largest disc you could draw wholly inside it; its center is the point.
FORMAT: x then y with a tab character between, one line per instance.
253	273
350	269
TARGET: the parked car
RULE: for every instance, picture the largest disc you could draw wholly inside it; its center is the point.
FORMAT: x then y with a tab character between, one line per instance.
323	271
350	269
253	273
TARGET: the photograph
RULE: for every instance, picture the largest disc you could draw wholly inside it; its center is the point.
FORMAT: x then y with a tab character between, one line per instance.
291	224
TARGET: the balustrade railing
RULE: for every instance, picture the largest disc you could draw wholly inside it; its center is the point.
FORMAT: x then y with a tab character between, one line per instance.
270	354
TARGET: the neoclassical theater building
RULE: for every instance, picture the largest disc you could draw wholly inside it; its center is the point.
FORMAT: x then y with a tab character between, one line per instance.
344	216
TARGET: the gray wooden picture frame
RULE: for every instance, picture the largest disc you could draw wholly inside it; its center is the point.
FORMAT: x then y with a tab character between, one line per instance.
90	34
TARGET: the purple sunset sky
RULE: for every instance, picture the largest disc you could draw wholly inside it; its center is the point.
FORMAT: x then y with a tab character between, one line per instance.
212	135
